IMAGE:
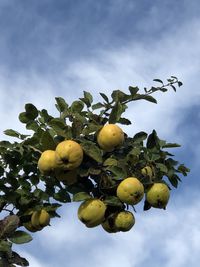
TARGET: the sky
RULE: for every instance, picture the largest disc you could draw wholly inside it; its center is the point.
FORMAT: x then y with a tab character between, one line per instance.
60	48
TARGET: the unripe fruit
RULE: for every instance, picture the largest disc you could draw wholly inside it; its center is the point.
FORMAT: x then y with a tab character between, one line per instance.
147	171
110	137
69	155
46	162
91	212
130	191
158	195
124	221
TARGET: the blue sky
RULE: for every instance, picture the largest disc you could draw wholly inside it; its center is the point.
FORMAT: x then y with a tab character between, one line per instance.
60	48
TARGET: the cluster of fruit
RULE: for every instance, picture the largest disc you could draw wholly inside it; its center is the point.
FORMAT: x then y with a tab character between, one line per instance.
38	220
68	156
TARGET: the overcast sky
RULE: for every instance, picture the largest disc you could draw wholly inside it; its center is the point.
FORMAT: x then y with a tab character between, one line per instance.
60	48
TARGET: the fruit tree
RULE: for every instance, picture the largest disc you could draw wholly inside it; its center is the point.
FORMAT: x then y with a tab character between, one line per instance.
83	155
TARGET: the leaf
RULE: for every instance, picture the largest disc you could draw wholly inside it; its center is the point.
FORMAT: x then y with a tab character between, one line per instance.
80	196
23	117
88	99
17	259
62	196
5	246
171	145
8	225
32	125
92	151
162	167
116	112
113	201
46	117
47	142
133	90
173	180
180	84
104	97
58	126
124	121
77	106
110	162
97	106
119	96
139	137
61	104
118	172
91	128
153	140
145	97
31	111
12	133
158	80
20	237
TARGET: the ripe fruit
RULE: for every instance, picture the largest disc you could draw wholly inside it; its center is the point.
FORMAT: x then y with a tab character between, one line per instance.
40	219
124	221
69	155
67	177
119	221
47	163
148	171
110	137
158	195
91	212
44	218
130	191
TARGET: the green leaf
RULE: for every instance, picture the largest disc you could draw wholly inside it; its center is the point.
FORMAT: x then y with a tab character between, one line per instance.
119	96
153	140
110	162
124	121
133	90
8	225
139	137
171	145
32	125
45	116
5	246
62	196
92	151
20	237
81	196
184	170
23	117
173	180
158	80
31	111
17	259
91	128
162	167
104	97
61	104
118	172
145	97
12	133
88	98
77	106
97	106
116	112
47	142
113	201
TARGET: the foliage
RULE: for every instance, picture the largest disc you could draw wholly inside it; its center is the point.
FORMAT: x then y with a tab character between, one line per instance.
23	188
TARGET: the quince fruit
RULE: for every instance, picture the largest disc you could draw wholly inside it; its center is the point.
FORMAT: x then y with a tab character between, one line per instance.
110	137
69	155
158	195
91	212
130	191
46	162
